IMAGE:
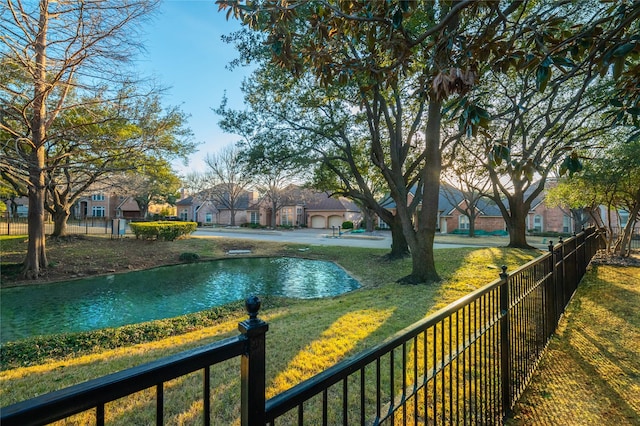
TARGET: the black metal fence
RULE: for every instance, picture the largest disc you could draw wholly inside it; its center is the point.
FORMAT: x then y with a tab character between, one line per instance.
465	364
635	236
89	225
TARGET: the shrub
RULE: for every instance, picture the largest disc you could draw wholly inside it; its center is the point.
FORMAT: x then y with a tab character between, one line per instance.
39	349
189	257
347	224
167	231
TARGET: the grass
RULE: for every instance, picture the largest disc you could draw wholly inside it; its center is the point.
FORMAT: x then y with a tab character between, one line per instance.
304	337
591	371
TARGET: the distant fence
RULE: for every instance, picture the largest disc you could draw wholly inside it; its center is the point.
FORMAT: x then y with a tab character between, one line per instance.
635	236
89	225
468	363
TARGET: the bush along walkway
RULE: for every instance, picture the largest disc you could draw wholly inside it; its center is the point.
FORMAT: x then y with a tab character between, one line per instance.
591	372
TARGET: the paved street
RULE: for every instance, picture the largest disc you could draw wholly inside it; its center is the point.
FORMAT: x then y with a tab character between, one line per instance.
310	236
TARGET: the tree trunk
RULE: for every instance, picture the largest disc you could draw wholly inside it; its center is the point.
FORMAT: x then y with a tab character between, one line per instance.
517	223
36	258
423	266
13	208
399	245
232	220
579	219
624	247
143	205
472	225
274	207
423	269
368	219
60	217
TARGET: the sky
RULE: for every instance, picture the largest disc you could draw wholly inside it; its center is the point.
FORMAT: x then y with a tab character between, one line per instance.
184	51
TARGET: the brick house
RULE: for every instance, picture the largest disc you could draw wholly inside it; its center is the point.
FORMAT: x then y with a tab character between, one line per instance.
304	208
196	209
540	218
102	204
449	218
199	208
322	211
489	218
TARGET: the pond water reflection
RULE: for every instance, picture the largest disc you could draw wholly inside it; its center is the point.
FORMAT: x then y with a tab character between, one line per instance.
116	300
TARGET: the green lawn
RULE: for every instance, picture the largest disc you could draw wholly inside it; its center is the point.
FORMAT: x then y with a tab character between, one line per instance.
304	338
590	373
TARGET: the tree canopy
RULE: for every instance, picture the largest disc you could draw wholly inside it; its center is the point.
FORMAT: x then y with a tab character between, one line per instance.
394	52
64	86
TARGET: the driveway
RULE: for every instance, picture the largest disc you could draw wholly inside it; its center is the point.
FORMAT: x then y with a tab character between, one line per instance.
380	239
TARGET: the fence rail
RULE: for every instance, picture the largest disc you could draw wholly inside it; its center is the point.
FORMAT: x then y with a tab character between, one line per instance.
468	363
89	225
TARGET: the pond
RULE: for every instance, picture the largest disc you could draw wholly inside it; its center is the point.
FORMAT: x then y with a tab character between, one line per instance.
116	300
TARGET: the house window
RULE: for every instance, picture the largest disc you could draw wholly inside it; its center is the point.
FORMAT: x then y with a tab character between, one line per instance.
566	224
184	214
97	197
208	218
537	223
97	211
286	217
254	217
299	217
382	224
463	222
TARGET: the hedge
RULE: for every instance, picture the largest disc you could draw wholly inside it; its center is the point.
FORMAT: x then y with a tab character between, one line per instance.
41	349
167	231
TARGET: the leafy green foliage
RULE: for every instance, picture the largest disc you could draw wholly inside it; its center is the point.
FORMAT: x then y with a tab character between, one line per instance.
160	230
347	224
571	164
499	153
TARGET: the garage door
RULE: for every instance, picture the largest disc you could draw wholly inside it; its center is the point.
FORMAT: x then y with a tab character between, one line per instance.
317	222
335	221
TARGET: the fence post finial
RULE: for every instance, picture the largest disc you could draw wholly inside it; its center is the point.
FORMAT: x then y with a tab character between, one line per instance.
503	274
252	305
252	368
550	245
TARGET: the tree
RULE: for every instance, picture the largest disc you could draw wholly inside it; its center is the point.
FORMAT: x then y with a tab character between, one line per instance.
268	154
228	179
153	184
392	53
424	50
570	200
464	181
274	172
58	46
610	179
323	132
532	133
99	143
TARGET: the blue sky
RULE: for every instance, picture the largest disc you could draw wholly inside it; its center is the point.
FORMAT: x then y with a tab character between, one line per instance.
184	51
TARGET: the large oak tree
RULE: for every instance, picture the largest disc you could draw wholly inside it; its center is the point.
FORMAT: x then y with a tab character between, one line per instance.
390	52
